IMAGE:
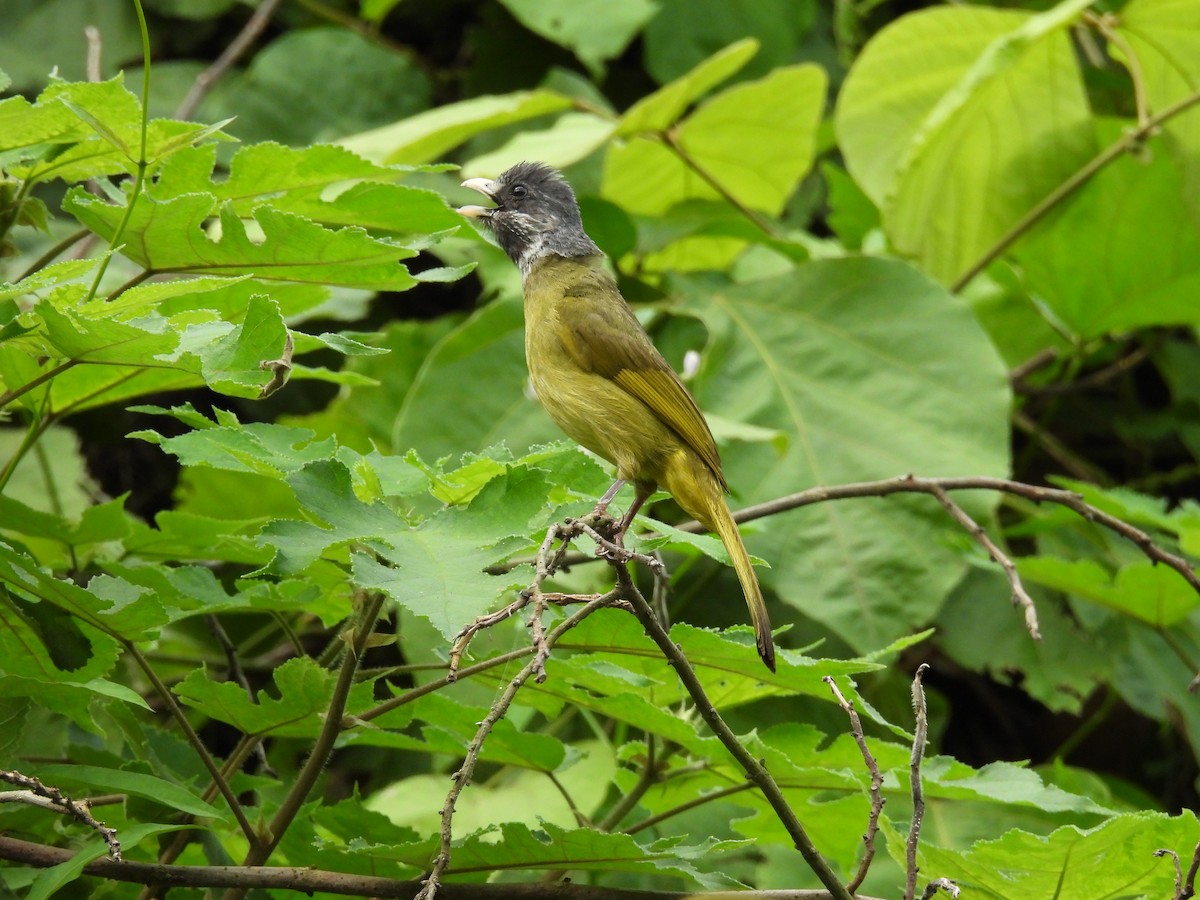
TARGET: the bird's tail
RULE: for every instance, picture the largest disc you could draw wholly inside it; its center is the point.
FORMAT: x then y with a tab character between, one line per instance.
702	496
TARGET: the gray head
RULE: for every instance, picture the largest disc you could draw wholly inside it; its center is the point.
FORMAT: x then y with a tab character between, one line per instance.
536	214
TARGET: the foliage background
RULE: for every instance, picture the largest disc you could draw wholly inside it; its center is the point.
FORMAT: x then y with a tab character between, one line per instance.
811	197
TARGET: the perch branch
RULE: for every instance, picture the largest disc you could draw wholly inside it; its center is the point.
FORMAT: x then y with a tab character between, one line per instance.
876	792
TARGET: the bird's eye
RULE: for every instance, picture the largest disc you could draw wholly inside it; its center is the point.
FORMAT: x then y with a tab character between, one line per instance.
519	191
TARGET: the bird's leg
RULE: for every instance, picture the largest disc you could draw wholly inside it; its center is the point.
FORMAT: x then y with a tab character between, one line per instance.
643	492
602	503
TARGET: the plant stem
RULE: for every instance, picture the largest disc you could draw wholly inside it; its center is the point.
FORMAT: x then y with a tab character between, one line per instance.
1130	139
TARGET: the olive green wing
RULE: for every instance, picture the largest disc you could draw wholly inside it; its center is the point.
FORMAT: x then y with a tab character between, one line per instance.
603	336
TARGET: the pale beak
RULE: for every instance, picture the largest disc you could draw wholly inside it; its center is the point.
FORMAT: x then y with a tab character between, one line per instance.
485	187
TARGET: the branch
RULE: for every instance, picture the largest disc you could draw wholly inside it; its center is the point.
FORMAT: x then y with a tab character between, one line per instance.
877	798
1126	142
1020	597
310	881
754	769
914	775
462	777
330	729
34	793
236	50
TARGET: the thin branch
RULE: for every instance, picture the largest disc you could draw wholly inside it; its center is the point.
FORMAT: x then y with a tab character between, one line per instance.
754	769
236	50
305	780
875	790
914	775
238	674
1126	142
46	258
310	881
1189	882
691	804
34	793
1167	851
462	777
1058	451
1092	379
650	776
1105	24
1020	597
754	218
198	747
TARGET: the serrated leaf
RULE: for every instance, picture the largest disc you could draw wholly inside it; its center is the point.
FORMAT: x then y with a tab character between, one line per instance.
303	691
1156	595
1113	859
171	236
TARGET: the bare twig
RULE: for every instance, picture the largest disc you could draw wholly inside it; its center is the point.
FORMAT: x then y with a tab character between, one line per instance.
236	673
230	55
1189	881
914	775
753	768
1166	851
875	790
1092	379
499	709
691	804
1020	597
1039	360
34	793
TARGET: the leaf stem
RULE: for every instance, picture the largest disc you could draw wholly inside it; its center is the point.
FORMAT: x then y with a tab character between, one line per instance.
1127	141
194	739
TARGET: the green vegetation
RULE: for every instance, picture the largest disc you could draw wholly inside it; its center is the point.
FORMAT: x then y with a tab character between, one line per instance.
266	446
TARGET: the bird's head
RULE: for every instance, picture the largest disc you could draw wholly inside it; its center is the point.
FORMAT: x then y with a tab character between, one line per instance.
536	214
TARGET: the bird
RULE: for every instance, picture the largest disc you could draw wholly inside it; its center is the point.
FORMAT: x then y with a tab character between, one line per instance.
596	371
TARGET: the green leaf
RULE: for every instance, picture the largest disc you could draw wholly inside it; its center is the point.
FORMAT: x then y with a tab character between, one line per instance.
1157	595
429	135
302	693
1162	35
999	93
872	371
165	793
596	30
170	236
727	140
659	111
284	95
1136	209
1113	859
